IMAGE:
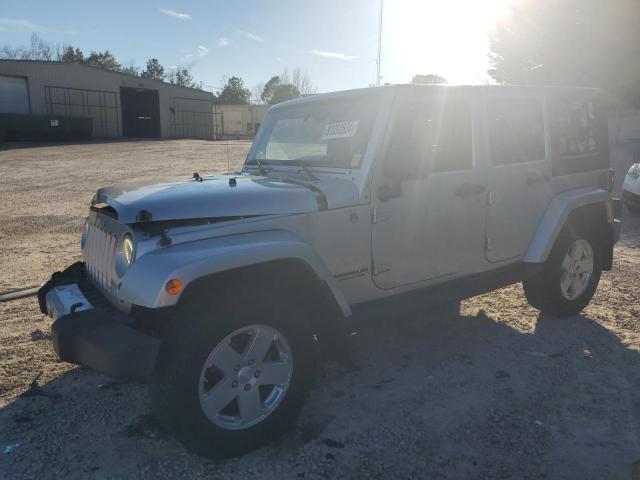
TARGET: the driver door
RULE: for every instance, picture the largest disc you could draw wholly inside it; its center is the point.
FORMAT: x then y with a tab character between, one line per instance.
429	204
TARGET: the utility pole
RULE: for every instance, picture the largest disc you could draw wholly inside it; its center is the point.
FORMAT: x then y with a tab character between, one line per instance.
379	75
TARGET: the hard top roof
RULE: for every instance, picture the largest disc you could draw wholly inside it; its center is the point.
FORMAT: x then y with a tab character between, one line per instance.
440	87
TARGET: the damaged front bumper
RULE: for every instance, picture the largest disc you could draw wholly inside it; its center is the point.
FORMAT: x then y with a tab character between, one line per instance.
88	331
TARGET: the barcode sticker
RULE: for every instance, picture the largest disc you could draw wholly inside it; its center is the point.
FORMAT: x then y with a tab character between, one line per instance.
340	130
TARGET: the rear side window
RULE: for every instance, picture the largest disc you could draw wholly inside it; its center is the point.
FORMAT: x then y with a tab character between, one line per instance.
579	136
516	129
575	123
434	135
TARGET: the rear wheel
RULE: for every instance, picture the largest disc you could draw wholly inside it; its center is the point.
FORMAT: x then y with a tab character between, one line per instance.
569	277
632	202
233	377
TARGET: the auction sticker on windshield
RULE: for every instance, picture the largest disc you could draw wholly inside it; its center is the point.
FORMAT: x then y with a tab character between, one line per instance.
340	130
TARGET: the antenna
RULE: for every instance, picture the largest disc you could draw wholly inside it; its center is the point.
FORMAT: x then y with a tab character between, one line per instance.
379	76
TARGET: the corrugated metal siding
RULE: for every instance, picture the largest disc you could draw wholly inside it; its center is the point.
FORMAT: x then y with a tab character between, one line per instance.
103	107
86	79
191	118
238	120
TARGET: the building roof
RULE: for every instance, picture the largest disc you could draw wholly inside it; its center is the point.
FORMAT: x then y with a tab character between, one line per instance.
108	72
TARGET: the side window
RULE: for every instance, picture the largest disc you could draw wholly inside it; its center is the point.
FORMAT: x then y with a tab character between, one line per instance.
516	130
453	146
579	135
433	135
575	128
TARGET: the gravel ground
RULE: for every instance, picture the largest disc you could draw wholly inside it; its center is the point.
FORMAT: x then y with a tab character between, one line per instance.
496	392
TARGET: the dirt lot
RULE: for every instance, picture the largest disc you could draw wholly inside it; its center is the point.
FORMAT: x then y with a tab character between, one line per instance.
497	392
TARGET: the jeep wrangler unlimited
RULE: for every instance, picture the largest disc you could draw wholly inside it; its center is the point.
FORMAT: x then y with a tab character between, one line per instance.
221	290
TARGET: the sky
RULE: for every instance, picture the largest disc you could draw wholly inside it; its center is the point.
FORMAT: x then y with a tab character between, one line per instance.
334	41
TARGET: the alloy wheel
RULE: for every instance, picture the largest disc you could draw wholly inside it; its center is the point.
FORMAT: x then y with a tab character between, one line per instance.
576	270
245	377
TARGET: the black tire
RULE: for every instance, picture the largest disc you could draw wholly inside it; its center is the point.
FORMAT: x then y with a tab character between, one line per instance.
633	207
631	201
543	291
196	328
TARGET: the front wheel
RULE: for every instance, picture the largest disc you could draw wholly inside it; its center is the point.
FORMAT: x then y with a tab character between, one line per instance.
633	206
233	378
569	277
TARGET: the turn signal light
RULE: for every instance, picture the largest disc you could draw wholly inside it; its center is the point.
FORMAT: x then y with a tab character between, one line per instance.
173	286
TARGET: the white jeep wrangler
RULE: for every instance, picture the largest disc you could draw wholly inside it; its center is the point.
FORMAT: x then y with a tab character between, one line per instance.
221	290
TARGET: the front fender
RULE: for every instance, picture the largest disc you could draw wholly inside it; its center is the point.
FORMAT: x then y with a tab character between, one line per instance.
556	216
144	283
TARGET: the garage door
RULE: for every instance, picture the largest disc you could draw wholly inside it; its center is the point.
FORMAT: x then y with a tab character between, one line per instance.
140	112
14	95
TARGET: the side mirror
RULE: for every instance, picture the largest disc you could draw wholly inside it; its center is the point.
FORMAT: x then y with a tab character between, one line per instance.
410	162
399	165
409	154
392	189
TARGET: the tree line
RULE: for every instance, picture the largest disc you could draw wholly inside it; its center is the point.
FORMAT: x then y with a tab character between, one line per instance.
279	88
591	43
39	49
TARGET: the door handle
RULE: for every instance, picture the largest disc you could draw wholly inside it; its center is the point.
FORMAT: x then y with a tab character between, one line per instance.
467	189
535	178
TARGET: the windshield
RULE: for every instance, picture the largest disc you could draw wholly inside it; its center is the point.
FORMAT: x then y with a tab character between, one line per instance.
331	133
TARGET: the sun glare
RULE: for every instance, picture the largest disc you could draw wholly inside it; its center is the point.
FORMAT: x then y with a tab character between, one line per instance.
445	37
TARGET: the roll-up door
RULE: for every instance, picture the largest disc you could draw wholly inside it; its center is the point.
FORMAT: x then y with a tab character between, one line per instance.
14	95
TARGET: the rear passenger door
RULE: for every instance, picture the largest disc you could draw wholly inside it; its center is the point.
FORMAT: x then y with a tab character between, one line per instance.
518	173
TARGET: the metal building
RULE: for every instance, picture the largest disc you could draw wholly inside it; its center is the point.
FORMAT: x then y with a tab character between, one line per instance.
118	104
238	121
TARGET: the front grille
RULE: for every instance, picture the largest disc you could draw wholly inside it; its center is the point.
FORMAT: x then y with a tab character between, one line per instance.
99	254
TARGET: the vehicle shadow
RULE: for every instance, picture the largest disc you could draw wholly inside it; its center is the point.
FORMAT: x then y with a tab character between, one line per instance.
462	396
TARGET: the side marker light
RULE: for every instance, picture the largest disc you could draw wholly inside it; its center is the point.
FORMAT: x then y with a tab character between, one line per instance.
173	286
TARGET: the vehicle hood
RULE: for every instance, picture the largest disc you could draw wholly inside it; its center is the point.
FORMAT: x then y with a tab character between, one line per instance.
226	196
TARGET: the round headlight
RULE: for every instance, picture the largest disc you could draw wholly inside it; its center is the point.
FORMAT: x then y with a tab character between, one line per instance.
127	248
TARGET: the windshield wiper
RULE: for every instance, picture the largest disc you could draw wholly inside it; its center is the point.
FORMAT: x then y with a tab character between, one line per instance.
300	163
261	169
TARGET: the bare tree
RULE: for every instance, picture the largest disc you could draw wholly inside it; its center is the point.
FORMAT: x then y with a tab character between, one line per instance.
256	93
38	49
8	52
300	80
